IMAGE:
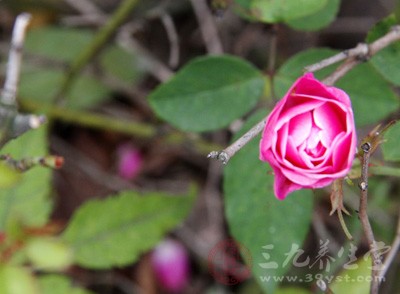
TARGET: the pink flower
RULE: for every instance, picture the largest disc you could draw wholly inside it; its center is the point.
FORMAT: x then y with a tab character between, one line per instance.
129	161
171	265
309	138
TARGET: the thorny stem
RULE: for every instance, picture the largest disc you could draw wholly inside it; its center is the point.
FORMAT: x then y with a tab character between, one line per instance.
25	164
369	234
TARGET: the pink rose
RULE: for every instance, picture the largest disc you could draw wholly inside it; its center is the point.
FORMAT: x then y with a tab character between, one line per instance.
309	138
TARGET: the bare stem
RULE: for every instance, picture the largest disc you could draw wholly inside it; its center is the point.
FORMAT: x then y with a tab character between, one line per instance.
360	53
392	253
231	150
14	60
363	214
207	27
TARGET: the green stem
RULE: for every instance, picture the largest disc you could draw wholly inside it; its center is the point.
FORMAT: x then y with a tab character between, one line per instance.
95	45
128	127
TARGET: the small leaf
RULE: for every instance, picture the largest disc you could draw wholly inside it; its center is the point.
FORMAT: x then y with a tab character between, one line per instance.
273	11
8	176
49	254
57	284
386	61
28	202
355	281
366	88
115	231
390	147
17	280
320	19
256	218
208	93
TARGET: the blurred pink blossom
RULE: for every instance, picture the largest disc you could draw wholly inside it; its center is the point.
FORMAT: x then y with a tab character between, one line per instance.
129	161
170	263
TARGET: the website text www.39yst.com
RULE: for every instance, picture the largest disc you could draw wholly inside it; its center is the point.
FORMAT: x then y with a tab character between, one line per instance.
310	278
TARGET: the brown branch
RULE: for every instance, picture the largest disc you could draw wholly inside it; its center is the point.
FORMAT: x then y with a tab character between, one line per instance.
360	53
207	27
363	214
231	150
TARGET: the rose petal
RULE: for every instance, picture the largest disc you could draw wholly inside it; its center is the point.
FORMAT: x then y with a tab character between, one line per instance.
282	186
300	128
299	106
331	120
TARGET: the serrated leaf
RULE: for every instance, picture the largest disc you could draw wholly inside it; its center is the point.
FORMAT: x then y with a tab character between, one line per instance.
117	230
62	44
41	85
57	284
372	97
256	218
17	280
387	60
390	147
320	19
28	202
367	89
277	10
208	93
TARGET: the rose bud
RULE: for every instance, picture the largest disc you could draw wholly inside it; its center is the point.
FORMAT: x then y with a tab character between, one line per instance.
309	138
129	161
170	263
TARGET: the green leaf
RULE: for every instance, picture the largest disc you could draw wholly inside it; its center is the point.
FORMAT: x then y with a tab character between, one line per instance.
292	290
17	280
57	284
41	85
390	147
273	11
49	254
115	231
355	281
320	19
28	202
366	88
8	176
386	61
256	218
208	93
121	64
372	97
62	44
